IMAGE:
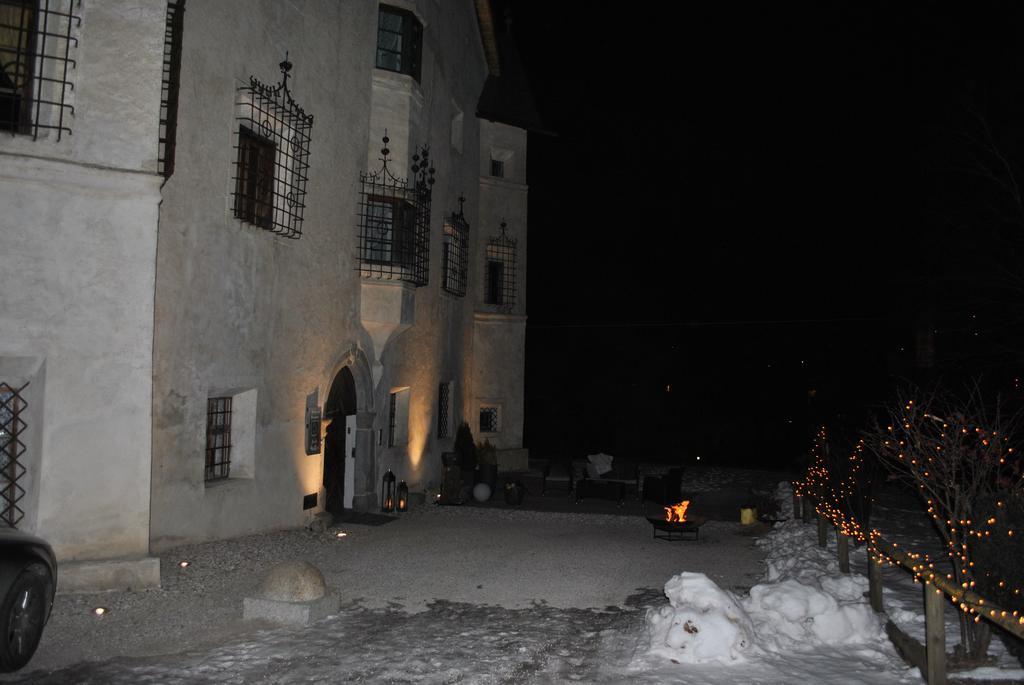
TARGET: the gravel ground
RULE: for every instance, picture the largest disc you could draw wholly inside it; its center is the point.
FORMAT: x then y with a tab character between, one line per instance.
464	573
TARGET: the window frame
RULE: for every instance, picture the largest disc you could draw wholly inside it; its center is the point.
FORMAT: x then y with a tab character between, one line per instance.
397	247
215	469
21	96
43	101
444	410
495	411
410	51
255	204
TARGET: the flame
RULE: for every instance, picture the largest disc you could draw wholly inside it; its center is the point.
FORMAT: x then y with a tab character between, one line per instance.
677	512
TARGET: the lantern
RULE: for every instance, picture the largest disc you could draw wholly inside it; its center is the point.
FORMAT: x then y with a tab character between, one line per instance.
403	496
387	492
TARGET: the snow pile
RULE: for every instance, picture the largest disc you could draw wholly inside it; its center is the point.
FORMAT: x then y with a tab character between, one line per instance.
784	496
805	603
702	622
792	615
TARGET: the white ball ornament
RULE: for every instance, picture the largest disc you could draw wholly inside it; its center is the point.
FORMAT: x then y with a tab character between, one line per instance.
481	492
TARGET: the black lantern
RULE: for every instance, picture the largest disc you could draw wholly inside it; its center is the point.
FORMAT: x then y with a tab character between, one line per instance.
403	496
387	492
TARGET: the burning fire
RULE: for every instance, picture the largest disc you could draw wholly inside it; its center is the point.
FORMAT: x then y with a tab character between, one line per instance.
677	512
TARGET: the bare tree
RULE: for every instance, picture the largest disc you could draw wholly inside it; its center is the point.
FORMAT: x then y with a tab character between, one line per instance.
956	455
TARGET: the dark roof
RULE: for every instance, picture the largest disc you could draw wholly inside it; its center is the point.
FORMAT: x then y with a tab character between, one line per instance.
506	98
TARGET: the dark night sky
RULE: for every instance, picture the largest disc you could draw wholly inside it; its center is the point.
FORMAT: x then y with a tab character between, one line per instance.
736	163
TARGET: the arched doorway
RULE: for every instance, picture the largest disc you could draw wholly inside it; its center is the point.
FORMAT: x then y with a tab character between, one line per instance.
339	442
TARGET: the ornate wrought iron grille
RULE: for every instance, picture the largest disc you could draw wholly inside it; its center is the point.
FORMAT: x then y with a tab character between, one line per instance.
169	86
394	221
488	419
12	470
218	438
500	271
36	38
273	157
443	395
455	255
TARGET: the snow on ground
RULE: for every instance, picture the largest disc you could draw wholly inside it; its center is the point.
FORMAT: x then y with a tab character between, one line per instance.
806	622
448	595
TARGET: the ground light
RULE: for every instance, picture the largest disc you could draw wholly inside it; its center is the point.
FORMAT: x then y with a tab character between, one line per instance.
100	611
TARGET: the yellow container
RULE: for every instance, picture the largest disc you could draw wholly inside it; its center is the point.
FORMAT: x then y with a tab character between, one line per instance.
748	515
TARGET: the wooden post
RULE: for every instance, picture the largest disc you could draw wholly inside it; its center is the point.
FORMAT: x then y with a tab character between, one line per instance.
822	532
797	504
843	545
808	509
874	582
935	635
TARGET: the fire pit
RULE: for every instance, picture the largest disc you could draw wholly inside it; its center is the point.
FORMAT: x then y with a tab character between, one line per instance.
675	525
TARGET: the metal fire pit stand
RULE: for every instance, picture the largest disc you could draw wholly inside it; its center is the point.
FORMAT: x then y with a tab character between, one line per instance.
675	531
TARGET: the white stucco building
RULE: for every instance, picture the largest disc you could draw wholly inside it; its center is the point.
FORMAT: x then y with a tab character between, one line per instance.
204	251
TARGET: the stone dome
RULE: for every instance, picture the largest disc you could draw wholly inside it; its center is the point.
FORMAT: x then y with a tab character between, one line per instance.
293	581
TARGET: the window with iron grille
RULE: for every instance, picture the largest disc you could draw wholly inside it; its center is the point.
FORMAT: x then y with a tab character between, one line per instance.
399	41
254	180
272	159
497	168
443	407
489	420
392	418
218	438
169	81
394	221
455	252
500	271
38	39
12	450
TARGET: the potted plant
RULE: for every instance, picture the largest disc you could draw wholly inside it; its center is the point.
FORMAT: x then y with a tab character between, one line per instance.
514	492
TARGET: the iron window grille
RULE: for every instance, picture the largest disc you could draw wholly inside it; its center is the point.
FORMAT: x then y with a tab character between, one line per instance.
394	221
36	40
497	168
399	41
218	438
455	252
500	271
443	397
170	79
392	418
273	157
489	420
12	449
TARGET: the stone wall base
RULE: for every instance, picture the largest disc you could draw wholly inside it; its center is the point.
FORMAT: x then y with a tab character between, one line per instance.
108	574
